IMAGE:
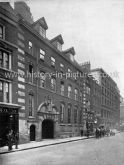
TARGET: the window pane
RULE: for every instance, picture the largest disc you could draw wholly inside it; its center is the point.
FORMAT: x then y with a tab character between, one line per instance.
42	32
1	91
1	59
52	61
53	84
69	114
61	113
6	60
6	92
30	73
69	91
42	79
62	88
1	32
42	54
30	47
31	105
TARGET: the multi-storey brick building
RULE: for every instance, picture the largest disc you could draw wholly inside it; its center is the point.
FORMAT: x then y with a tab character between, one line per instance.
8	85
110	98
42	77
93	98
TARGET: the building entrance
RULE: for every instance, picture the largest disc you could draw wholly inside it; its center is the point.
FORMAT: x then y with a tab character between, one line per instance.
32	133
47	129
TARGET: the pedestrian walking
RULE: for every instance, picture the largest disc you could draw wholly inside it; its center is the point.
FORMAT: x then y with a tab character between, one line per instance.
81	132
97	133
88	133
10	140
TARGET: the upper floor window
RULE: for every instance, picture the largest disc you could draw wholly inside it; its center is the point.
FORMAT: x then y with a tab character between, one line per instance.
42	32
31	105
62	108
87	90
5	61
42	79
80	115
62	88
69	114
69	91
53	84
59	46
76	94
31	73
69	72
42	54
30	46
71	57
61	67
2	32
81	96
4	92
53	61
75	115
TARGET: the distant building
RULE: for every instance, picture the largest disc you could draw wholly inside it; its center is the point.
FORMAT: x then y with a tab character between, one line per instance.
110	98
122	112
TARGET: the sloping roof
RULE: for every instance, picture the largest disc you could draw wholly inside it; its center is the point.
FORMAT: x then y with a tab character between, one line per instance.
42	22
70	50
58	38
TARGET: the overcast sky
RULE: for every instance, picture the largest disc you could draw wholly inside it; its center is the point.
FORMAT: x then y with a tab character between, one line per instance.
94	27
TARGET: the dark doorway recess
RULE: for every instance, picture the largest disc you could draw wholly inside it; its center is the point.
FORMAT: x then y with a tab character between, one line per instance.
32	133
47	129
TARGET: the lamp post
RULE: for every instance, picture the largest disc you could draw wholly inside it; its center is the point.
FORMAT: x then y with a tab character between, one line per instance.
10	124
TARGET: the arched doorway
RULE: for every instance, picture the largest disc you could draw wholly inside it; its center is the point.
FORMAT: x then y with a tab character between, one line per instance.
32	133
47	129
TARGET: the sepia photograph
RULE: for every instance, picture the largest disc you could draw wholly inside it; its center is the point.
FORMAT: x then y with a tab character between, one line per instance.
61	82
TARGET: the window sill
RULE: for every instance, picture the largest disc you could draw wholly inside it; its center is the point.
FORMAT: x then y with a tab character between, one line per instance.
6	69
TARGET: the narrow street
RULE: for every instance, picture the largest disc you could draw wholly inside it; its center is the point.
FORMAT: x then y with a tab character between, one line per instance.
105	151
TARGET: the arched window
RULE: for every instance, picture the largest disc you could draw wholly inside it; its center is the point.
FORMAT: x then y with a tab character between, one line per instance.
30	73
69	114
62	88
31	104
42	79
69	91
75	115
53	84
62	108
76	94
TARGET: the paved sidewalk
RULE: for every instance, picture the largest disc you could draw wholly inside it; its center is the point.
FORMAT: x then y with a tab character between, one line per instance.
43	143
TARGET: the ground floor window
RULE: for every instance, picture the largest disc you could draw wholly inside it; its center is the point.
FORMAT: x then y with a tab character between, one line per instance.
5	91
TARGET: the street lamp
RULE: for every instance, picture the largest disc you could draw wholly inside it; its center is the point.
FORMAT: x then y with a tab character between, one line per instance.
11	119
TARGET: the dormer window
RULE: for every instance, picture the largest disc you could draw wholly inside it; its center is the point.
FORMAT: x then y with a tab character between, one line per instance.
59	46
42	31
58	42
71	57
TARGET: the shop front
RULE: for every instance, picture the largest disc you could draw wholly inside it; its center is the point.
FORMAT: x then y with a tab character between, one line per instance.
9	120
